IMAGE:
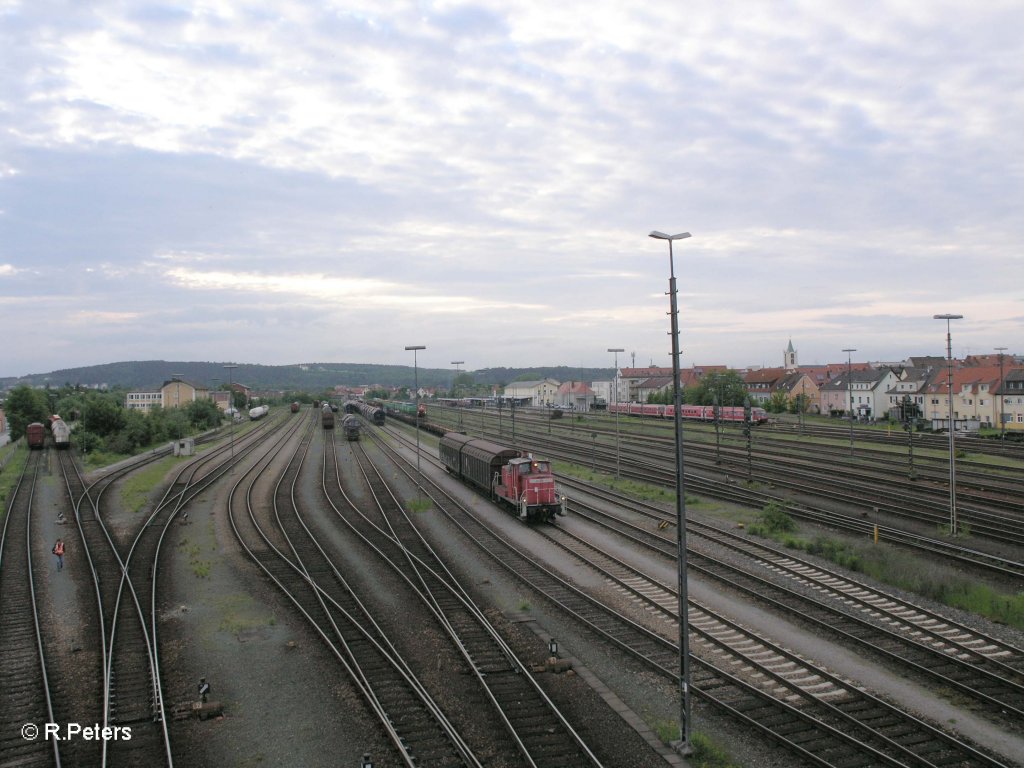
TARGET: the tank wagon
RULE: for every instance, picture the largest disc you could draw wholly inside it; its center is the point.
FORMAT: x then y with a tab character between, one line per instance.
327	417
61	432
258	412
350	426
295	407
372	413
35	435
519	482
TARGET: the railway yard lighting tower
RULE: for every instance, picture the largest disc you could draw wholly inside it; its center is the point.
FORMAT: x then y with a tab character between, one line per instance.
952	438
683	746
615	401
849	386
231	405
416	384
1002	397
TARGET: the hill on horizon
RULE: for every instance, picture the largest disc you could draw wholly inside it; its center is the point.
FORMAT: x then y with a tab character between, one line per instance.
149	375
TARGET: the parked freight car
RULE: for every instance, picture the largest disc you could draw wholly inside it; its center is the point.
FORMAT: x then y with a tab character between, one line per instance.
258	412
60	431
295	407
350	426
372	413
327	417
35	435
520	482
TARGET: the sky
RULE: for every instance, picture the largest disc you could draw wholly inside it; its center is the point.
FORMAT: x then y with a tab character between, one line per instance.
290	182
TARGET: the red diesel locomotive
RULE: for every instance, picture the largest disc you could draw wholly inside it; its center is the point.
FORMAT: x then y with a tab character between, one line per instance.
523	483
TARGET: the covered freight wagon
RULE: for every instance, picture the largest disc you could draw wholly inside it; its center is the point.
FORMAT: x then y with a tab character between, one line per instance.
35	435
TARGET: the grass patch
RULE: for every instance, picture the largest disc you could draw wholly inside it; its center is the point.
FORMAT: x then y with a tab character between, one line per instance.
201	568
645	491
524	605
421	504
904	570
707	754
137	488
240	613
9	476
666	730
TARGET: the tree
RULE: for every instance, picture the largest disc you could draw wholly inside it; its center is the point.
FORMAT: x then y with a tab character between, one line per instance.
727	385
23	407
102	415
777	403
203	414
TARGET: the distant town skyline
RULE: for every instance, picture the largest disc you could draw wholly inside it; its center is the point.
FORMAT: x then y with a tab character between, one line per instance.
289	182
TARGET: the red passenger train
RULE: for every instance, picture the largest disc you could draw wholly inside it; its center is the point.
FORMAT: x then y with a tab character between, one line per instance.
728	413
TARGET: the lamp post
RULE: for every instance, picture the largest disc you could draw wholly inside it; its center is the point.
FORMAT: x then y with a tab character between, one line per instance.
747	413
457	363
952	438
716	410
231	405
615	402
908	424
683	746
849	385
416	384
1002	397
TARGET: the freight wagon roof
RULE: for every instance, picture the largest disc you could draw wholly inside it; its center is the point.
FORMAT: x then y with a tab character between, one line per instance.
487	451
455	439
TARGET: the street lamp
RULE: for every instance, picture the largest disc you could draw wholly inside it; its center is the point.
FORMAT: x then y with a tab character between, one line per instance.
416	384
952	438
849	385
457	363
231	405
615	402
683	747
1002	397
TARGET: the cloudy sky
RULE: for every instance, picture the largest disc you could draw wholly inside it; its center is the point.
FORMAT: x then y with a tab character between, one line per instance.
286	182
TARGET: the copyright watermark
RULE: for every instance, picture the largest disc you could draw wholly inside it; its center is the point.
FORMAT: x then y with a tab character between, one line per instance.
72	731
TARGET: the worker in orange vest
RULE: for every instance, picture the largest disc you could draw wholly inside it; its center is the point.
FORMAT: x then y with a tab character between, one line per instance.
58	550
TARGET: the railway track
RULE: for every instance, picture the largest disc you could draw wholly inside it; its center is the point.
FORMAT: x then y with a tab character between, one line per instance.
991	508
897	735
280	545
728	489
541	733
26	701
824	741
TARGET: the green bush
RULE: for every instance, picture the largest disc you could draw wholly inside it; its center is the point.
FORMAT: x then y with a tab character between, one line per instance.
775	519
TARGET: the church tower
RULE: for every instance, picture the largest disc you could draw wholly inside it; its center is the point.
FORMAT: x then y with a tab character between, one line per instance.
789	357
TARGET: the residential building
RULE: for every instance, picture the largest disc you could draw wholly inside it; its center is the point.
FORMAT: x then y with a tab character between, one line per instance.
1011	402
868	388
631	378
798	384
761	383
912	385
